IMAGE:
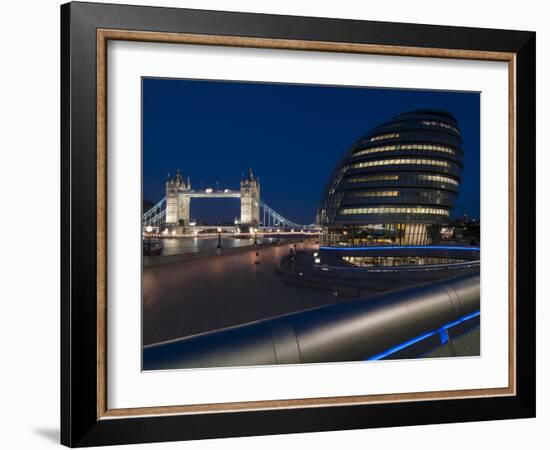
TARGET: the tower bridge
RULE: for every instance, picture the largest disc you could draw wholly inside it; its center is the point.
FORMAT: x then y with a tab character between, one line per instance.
174	209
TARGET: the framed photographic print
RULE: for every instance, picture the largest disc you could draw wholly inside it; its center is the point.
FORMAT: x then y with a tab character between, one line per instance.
277	224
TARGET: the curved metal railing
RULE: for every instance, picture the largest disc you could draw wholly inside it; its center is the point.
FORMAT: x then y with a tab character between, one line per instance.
349	331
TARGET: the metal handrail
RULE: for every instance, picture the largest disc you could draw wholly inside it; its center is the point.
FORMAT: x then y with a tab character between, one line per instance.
349	331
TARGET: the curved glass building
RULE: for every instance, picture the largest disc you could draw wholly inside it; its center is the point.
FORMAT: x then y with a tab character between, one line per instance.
396	185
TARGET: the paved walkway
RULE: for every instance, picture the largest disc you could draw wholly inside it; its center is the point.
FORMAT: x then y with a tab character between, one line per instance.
190	297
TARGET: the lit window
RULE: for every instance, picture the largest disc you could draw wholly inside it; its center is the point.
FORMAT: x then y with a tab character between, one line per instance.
371	178
387	162
389	148
384	136
437	178
439	124
374	194
393	210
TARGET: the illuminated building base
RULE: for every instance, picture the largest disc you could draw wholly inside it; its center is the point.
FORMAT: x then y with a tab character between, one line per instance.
380	234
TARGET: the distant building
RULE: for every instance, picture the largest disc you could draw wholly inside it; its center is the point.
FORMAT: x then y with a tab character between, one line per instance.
177	202
250	199
179	194
396	185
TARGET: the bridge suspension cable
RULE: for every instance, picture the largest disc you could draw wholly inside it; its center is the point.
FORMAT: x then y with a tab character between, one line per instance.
156	215
272	218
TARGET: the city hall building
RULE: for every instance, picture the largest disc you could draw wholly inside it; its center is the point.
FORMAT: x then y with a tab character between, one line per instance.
396	185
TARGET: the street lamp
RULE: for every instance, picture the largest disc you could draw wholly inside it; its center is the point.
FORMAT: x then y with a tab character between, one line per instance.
255	236
278	231
219	237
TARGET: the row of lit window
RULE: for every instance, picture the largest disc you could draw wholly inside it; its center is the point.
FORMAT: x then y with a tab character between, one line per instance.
388	148
389	162
372	178
424	135
392	210
396	127
440	124
437	178
384	136
374	194
422	177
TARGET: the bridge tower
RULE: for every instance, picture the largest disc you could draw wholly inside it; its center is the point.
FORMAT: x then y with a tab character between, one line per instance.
250	200
177	199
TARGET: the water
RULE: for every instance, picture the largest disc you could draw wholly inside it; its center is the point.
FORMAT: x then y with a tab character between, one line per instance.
178	246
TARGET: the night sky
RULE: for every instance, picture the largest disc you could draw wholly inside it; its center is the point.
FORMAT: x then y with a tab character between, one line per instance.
291	135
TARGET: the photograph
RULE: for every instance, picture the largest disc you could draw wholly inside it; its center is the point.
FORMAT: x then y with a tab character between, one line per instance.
287	220
300	223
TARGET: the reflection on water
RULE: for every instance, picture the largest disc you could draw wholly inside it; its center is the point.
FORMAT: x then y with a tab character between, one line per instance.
193	245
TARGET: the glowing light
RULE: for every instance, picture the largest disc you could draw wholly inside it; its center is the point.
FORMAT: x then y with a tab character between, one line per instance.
403	247
149	229
208	190
174	233
422	337
192	223
219	230
317	260
315	255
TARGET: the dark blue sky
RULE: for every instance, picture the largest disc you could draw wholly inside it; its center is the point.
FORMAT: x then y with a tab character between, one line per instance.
291	135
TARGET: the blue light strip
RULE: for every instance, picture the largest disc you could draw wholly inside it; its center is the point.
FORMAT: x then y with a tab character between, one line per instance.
402	247
422	337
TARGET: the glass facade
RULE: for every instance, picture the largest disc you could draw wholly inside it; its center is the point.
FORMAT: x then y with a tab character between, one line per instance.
392	261
397	184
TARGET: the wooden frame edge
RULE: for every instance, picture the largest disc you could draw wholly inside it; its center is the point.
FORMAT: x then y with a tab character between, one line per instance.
104	35
512	198
260	405
290	44
101	223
